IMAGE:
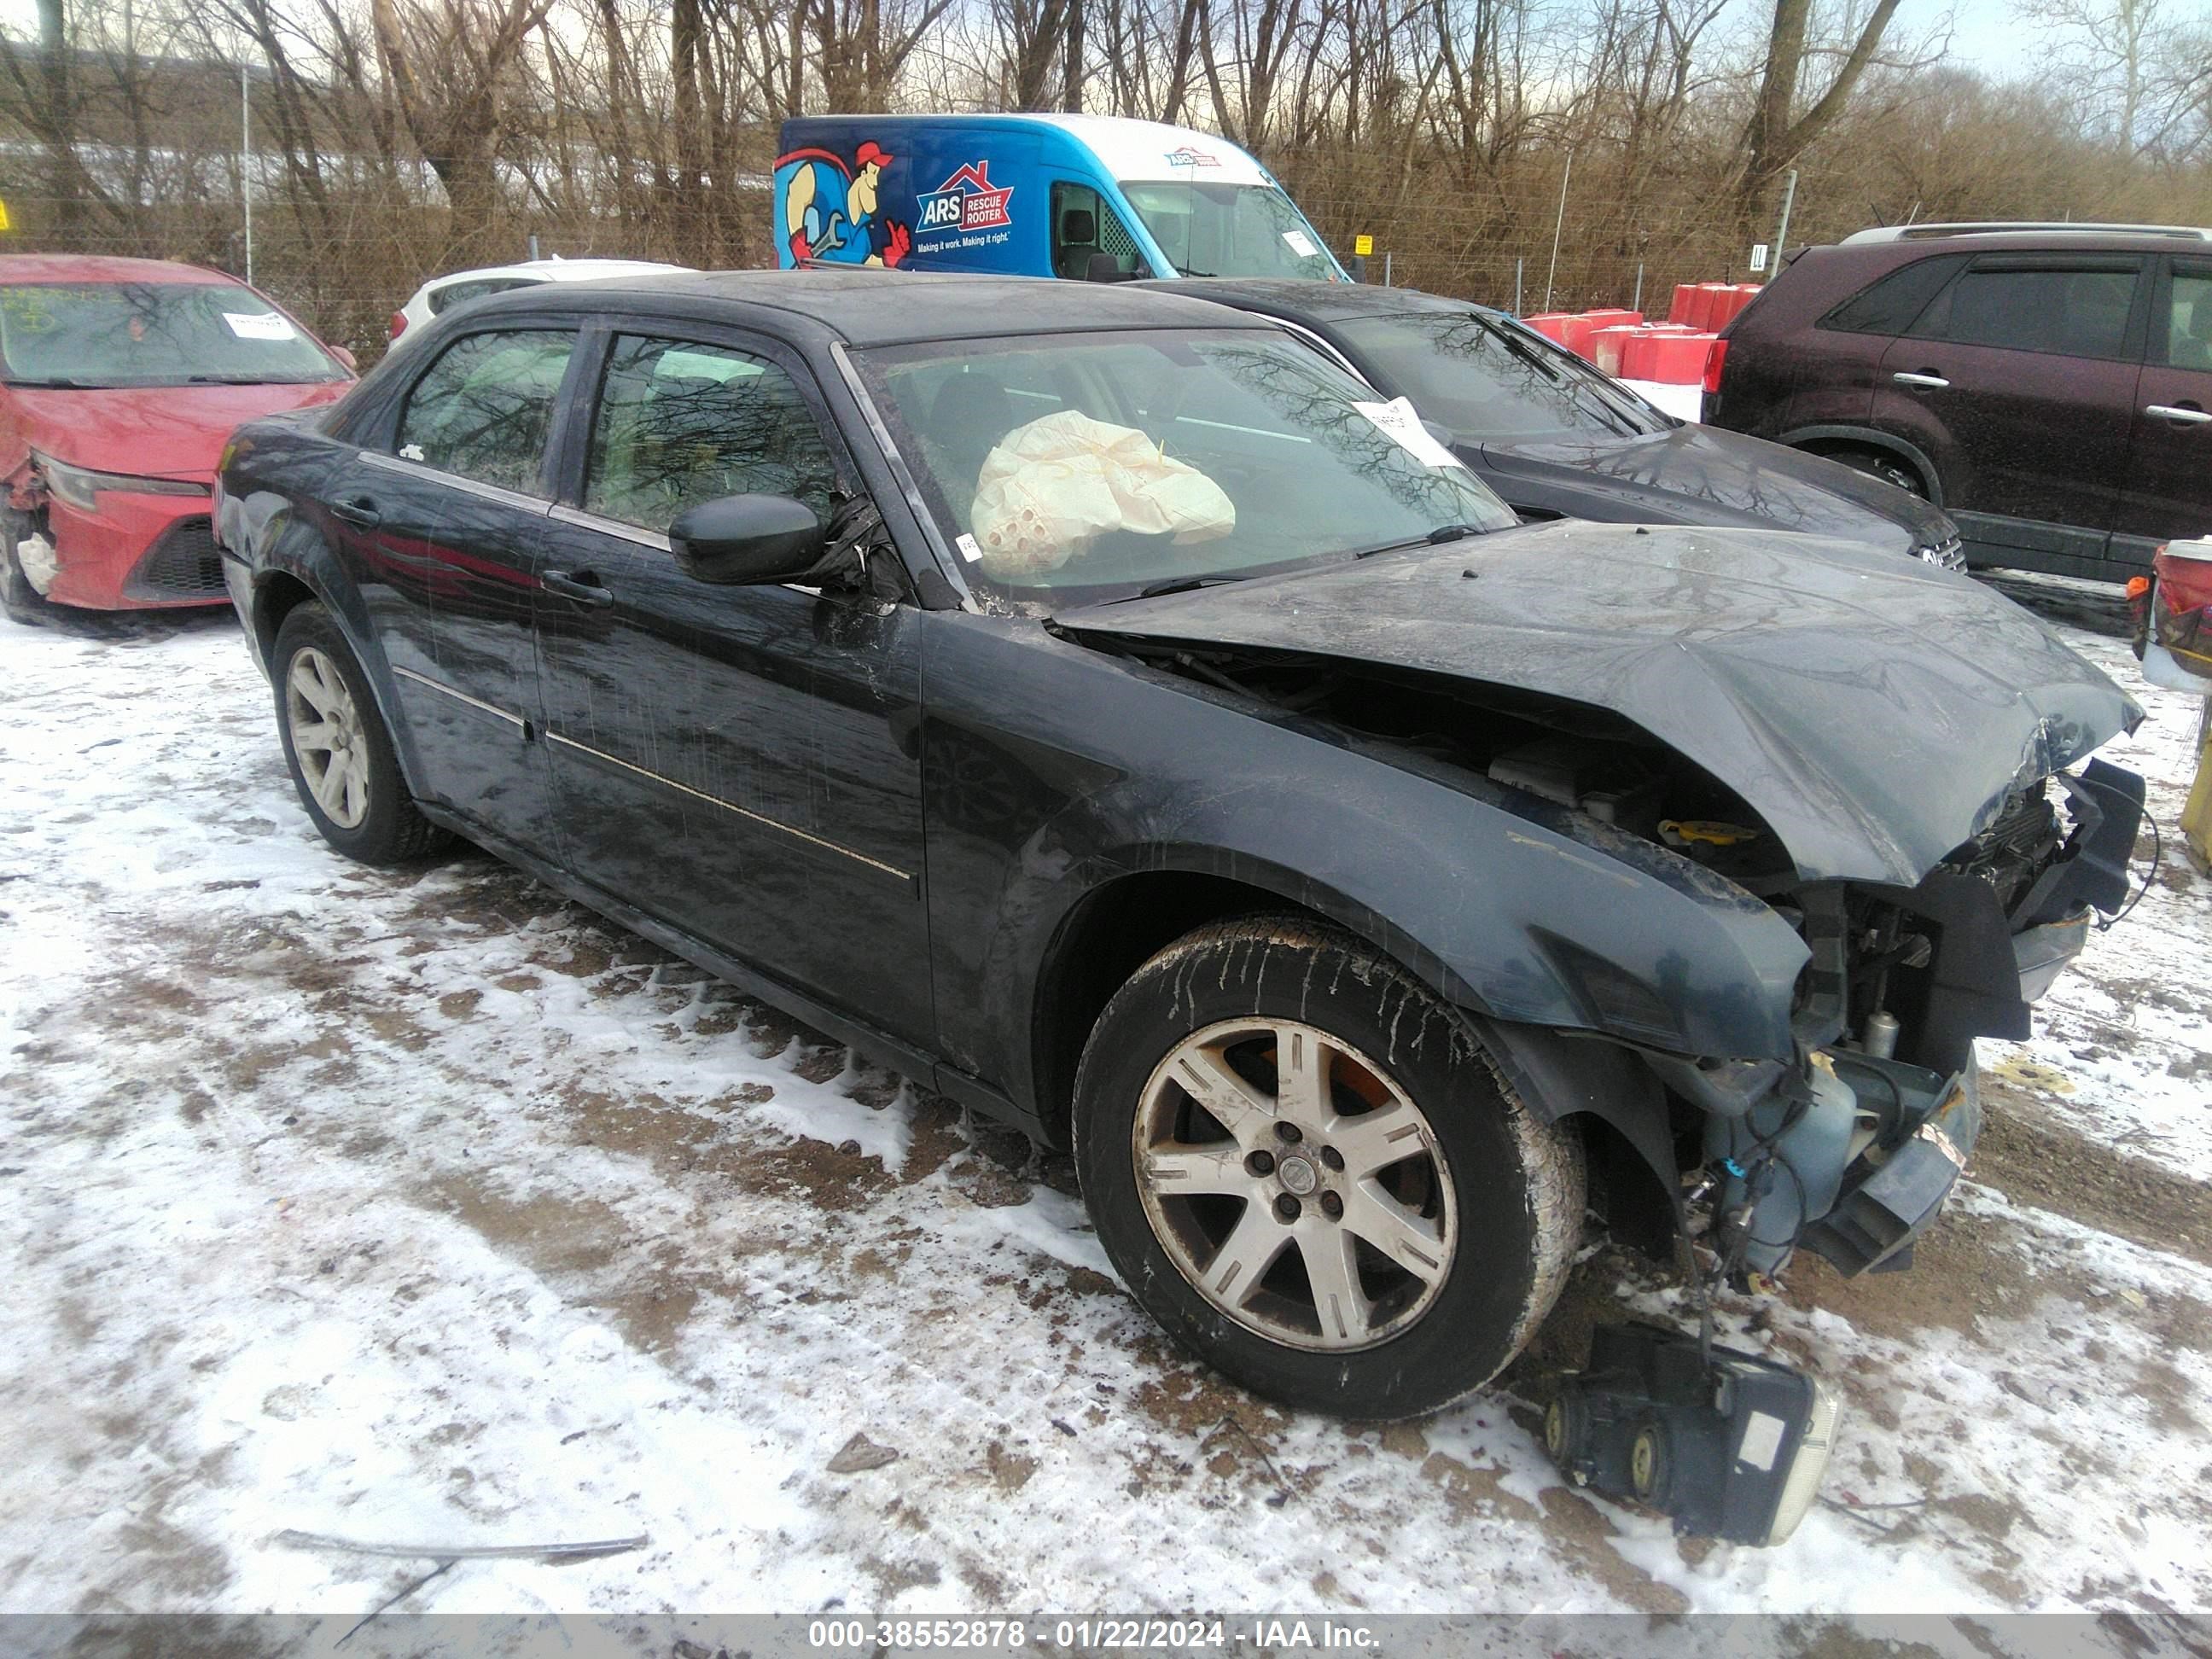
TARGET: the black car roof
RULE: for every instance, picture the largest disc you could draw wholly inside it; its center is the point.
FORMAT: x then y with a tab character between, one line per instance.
1303	300
874	306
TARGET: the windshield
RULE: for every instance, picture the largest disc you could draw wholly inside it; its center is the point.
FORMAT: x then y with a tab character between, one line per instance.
119	334
1229	230
1081	467
1487	379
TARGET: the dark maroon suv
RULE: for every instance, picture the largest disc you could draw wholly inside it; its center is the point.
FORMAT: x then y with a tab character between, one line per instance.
2047	384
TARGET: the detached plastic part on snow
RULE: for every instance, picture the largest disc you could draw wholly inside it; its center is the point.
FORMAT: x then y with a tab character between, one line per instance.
1048	490
1729	1444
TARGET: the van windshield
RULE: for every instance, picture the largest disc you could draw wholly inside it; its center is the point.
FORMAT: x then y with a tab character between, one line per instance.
1229	230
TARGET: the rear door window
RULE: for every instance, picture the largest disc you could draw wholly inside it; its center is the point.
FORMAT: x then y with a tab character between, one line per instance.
680	423
2072	308
484	409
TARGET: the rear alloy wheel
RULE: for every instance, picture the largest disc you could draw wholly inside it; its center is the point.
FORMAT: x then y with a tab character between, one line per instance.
335	743
1304	1167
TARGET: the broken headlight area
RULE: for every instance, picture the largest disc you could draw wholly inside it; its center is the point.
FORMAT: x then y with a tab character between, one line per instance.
1730	1445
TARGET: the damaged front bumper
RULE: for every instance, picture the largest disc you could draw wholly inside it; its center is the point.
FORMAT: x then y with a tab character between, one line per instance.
1854	1168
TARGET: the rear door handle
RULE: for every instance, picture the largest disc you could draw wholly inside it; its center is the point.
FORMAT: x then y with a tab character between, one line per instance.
359	510
583	587
1921	382
2180	414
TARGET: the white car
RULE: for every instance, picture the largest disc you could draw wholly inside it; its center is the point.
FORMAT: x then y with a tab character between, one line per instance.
442	293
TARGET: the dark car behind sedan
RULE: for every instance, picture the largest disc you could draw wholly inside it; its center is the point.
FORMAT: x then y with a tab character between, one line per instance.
1557	438
1094	703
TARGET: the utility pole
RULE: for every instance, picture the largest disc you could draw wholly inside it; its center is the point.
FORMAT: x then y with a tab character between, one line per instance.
1782	236
244	159
1558	226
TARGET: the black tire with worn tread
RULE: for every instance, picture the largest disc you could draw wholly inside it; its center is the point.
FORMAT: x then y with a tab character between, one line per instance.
393	830
1519	1183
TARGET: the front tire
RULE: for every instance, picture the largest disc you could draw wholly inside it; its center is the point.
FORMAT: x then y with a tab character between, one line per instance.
1305	1168
340	755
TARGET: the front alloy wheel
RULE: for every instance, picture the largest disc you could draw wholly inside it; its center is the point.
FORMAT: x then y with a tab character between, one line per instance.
1303	1164
1295	1184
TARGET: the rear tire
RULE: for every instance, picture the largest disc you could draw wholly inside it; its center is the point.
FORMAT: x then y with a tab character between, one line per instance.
1887	468
1305	1168
341	757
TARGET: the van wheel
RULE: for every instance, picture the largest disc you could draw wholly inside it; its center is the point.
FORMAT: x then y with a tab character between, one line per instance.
1304	1166
340	755
1887	468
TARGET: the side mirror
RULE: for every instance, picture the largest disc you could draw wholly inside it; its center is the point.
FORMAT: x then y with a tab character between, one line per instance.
344	355
748	540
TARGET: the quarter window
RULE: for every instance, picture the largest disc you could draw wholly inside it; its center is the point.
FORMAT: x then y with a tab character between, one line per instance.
2069	311
2189	321
1890	305
680	423
484	408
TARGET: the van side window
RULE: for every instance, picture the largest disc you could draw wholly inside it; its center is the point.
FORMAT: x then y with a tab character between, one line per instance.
1084	224
2071	309
1892	306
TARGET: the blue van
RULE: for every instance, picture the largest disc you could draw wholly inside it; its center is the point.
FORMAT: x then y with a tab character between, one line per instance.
1088	197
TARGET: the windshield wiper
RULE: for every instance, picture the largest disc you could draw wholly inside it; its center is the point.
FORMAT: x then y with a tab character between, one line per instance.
1437	538
62	383
1177	585
1193	270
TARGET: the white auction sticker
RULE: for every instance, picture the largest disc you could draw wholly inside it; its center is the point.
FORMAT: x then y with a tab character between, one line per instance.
1403	421
1301	244
969	550
258	324
1762	1438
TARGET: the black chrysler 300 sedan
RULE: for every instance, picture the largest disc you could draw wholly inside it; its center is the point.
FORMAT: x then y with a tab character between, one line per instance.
1096	704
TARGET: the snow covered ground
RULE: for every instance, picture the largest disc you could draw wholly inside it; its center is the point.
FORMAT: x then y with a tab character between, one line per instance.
428	1206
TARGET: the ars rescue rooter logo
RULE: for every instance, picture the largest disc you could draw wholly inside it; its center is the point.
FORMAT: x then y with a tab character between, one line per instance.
966	201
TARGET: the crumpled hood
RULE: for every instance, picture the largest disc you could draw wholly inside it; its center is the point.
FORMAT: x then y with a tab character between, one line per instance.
1708	476
155	431
1874	712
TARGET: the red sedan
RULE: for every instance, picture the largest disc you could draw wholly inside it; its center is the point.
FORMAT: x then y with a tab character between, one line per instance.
120	379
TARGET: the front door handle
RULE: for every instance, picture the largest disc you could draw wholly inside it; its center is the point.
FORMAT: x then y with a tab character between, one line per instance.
357	510
1924	381
583	586
2180	414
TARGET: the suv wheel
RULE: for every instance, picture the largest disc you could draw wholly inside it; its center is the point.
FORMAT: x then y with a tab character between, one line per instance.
1304	1166
1887	468
341	757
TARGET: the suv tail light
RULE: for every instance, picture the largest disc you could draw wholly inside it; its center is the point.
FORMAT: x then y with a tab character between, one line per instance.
1716	357
398	324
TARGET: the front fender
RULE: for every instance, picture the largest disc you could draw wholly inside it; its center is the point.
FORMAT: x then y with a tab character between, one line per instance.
1102	771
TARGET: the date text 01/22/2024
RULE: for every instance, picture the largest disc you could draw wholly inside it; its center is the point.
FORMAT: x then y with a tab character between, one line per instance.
1162	1635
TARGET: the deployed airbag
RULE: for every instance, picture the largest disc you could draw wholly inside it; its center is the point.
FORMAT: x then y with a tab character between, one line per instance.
1048	490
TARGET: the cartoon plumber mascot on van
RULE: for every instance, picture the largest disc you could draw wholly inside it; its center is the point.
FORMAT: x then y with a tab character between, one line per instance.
828	211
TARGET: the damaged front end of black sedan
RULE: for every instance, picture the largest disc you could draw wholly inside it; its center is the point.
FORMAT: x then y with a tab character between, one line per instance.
1865	778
